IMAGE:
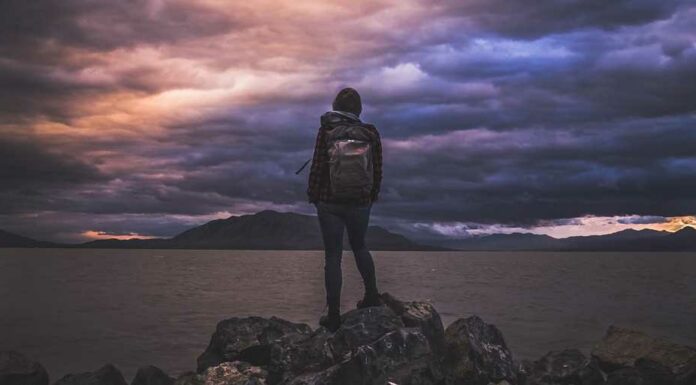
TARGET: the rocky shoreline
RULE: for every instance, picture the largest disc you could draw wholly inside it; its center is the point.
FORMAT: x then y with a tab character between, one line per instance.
400	342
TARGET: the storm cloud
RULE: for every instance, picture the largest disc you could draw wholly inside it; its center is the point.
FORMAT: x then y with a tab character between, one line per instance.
148	117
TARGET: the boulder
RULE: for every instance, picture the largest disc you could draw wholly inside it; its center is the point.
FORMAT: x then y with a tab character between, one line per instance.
324	377
372	346
151	375
422	315
106	375
623	348
563	367
644	372
402	356
246	339
626	376
295	354
362	326
476	353
227	373
17	369
656	373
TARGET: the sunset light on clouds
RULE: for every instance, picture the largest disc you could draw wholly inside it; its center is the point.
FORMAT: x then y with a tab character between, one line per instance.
144	118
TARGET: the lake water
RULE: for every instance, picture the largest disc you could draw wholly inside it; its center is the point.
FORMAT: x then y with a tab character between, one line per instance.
74	310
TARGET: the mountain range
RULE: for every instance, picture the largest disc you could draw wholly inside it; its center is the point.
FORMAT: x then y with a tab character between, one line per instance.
271	230
265	230
625	240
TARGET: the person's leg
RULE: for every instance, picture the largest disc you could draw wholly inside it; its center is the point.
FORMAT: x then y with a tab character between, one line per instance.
357	221
332	234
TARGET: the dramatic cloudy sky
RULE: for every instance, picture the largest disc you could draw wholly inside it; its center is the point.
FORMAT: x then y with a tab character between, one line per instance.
146	117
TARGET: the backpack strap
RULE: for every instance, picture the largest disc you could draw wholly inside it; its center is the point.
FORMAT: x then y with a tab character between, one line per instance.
303	166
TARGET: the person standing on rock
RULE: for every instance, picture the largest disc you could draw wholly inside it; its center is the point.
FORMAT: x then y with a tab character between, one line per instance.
344	181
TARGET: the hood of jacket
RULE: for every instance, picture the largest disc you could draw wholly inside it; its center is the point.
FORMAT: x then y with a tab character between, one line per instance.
332	118
348	100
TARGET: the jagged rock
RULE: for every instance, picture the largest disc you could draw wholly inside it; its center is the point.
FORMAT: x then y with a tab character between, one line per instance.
401	356
627	376
372	345
623	348
362	326
422	315
476	353
295	354
247	339
227	373
151	375
324	377
563	367
17	369
655	373
106	375
644	372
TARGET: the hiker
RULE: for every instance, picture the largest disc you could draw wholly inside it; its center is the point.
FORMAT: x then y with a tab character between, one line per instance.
344	181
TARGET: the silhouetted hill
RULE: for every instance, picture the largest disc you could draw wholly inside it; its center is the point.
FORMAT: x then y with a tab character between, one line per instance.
626	240
265	230
8	239
514	241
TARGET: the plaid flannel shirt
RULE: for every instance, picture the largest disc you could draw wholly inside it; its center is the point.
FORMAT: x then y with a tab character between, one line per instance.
319	184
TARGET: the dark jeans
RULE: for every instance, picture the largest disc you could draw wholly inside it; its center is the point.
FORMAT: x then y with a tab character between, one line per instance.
333	218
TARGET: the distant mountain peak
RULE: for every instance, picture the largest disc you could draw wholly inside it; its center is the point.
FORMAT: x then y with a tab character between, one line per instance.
8	239
688	229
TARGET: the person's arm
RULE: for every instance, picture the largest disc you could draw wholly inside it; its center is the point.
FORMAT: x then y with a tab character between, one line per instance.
318	160
377	167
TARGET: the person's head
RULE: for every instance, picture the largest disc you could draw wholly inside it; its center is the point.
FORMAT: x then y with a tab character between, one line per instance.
348	100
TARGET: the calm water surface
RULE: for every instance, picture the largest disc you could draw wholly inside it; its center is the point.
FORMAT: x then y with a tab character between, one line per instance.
75	310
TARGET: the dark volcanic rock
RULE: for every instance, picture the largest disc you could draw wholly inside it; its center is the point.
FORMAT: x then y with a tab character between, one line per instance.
106	375
295	354
421	315
151	375
656	373
247	339
644	372
476	353
373	345
402	356
362	326
227	373
564	367
626	376
624	348
17	369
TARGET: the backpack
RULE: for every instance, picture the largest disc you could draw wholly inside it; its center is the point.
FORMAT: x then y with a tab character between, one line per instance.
349	148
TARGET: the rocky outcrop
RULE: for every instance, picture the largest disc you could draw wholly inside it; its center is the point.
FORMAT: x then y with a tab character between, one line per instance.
373	345
421	315
151	375
633	354
106	375
17	369
568	366
398	342
476	353
246	339
227	373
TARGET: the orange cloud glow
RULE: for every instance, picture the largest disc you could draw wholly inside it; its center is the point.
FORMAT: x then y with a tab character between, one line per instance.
98	235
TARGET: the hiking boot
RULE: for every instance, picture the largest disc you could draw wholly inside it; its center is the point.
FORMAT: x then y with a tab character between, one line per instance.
332	321
370	300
